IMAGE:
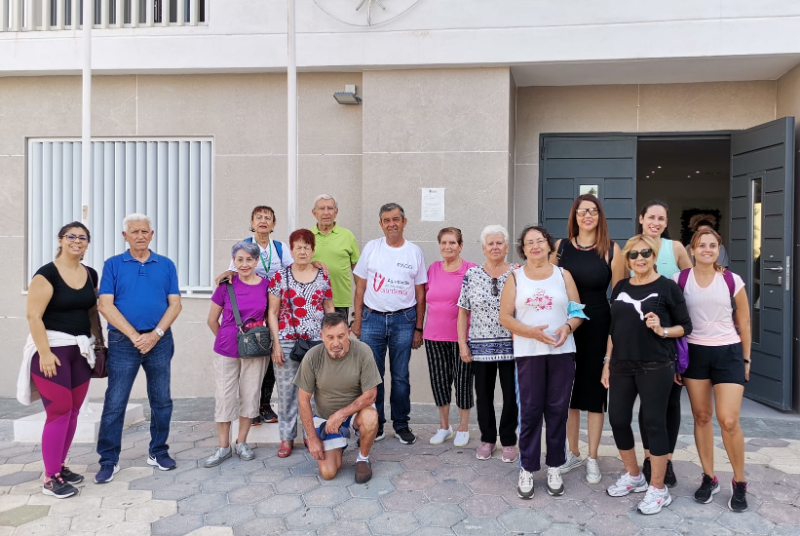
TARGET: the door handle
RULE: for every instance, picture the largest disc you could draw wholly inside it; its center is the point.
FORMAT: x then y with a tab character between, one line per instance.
778	269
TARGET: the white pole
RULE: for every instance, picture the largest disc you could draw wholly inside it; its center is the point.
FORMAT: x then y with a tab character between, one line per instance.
291	82
86	129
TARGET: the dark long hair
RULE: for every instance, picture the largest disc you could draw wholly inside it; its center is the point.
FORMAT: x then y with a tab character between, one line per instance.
63	232
603	239
655	203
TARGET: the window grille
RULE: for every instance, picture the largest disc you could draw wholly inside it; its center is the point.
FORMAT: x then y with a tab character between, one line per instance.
169	180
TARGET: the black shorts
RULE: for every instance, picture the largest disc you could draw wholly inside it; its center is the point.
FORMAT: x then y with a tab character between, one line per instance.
720	364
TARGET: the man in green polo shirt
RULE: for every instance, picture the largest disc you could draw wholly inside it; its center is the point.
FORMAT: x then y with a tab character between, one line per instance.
336	248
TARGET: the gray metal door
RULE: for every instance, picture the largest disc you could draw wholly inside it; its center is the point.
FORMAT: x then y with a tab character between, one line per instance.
762	203
603	165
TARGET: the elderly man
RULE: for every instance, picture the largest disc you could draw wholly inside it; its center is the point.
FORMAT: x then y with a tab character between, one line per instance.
342	377
337	249
140	299
390	298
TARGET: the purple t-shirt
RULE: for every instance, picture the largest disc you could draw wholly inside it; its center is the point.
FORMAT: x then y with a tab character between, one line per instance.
252	301
442	292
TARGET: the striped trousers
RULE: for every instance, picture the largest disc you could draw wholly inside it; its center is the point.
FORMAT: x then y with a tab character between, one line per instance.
446	368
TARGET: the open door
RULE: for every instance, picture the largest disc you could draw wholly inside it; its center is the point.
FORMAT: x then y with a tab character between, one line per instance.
761	252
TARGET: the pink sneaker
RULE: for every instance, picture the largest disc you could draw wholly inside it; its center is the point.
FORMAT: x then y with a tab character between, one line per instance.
485	451
509	454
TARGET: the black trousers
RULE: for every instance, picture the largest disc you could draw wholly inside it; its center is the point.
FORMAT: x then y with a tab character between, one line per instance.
673	419
268	384
485	378
652	383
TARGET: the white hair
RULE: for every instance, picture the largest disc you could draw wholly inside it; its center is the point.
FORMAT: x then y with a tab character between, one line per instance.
326	197
491	230
136	217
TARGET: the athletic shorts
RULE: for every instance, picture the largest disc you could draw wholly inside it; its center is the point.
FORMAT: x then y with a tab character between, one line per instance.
333	441
720	364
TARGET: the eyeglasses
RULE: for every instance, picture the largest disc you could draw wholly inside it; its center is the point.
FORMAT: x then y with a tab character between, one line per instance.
582	212
495	288
645	253
73	238
540	242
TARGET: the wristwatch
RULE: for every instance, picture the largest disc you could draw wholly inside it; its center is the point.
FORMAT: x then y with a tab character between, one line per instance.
666	333
418	329
159	332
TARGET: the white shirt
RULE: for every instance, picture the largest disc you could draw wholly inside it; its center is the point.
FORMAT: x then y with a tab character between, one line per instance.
270	260
391	275
540	303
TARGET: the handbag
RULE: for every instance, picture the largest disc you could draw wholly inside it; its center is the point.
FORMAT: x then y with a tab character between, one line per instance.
100	349
256	341
301	346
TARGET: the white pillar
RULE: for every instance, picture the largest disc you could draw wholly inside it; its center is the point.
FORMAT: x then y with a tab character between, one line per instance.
291	83
86	129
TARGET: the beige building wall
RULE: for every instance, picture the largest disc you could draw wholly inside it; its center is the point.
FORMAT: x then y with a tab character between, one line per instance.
245	114
627	109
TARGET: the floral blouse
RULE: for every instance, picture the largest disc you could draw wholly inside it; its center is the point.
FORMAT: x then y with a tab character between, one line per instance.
488	340
301	311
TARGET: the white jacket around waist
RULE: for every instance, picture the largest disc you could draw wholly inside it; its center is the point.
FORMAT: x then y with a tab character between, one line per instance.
26	390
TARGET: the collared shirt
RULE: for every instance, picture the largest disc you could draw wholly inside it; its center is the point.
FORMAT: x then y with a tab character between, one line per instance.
140	289
392	275
338	250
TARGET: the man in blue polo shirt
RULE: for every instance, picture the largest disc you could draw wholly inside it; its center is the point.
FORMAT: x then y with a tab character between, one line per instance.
140	299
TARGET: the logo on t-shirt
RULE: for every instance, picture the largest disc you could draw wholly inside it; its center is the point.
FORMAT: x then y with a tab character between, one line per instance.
637	304
377	282
403	265
540	301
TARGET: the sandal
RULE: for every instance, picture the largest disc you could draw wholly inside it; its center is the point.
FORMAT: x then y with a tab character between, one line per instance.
285	449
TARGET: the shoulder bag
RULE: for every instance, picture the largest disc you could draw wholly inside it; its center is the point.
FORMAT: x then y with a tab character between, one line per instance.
256	341
301	346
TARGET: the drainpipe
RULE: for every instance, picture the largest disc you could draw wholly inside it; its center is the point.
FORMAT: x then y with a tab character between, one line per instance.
291	83
86	115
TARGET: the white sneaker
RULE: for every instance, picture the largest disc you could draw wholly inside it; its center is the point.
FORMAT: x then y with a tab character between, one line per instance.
555	486
571	463
627	484
654	500
525	484
462	438
593	474
442	435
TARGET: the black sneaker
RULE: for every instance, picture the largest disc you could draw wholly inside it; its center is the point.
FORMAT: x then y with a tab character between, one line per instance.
70	477
268	416
708	488
405	436
670	480
738	500
646	469
58	487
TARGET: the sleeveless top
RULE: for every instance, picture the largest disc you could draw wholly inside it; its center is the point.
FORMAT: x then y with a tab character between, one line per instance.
666	263
591	273
68	309
538	303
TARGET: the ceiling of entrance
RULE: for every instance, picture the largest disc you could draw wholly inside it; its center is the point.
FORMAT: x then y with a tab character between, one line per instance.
683	159
665	71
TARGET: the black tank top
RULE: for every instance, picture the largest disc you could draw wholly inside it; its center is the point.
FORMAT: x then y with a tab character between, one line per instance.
68	310
592	274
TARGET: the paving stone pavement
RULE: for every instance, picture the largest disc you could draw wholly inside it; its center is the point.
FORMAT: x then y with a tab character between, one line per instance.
419	489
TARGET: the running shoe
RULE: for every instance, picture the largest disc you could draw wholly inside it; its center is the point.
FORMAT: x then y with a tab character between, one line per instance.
555	486
708	488
58	487
738	500
646	469
69	476
593	474
163	462
510	454
106	473
654	500
484	451
461	440
442	435
670	480
627	484
525	483
571	463
405	436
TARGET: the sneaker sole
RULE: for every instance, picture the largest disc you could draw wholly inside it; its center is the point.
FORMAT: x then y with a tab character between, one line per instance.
628	492
154	463
489	457
53	494
525	496
219	462
404	442
116	470
594	480
380	437
461	444
556	493
74	482
666	503
448	438
710	497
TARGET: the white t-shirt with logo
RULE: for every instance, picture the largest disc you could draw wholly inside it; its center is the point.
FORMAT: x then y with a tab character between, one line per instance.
391	275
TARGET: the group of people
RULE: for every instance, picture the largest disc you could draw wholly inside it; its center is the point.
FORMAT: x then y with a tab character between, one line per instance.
546	328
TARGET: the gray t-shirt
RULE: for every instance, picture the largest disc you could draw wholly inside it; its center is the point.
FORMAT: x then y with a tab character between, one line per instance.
336	383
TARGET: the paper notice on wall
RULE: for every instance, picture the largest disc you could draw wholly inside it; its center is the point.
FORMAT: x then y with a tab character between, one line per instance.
432	204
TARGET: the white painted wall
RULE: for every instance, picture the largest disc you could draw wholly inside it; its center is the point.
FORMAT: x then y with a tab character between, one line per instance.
248	35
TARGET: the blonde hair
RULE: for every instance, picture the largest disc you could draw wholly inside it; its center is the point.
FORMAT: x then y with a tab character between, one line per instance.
651	243
696	242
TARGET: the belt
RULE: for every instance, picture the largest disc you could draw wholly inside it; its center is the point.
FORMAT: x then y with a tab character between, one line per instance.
390	313
145	330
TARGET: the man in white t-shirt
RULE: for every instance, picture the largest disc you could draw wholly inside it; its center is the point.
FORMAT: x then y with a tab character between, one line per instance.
389	310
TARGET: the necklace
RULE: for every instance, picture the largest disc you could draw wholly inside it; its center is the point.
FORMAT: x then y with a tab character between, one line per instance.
584	248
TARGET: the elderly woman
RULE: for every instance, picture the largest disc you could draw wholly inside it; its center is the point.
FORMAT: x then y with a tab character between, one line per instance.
647	312
237	380
445	365
536	306
62	316
299	296
487	344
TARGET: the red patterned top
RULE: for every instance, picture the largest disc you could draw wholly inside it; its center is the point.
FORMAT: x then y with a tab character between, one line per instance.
300	318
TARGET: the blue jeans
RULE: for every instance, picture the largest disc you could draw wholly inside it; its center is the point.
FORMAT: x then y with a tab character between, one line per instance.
395	332
123	365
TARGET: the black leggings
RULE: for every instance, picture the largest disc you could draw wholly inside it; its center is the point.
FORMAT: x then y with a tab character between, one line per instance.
673	419
268	384
652	383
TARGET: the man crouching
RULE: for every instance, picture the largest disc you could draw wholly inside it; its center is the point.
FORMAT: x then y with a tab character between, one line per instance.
342	376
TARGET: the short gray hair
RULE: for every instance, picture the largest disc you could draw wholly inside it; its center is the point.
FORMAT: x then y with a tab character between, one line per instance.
251	248
493	229
136	217
388	207
326	197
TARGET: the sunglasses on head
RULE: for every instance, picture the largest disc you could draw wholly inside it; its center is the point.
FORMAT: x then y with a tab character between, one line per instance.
645	253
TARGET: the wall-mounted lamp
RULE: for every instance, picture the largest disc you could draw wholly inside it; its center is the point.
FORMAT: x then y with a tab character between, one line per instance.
348	96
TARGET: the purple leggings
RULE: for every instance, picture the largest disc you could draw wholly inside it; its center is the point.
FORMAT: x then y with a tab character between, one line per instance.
62	396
